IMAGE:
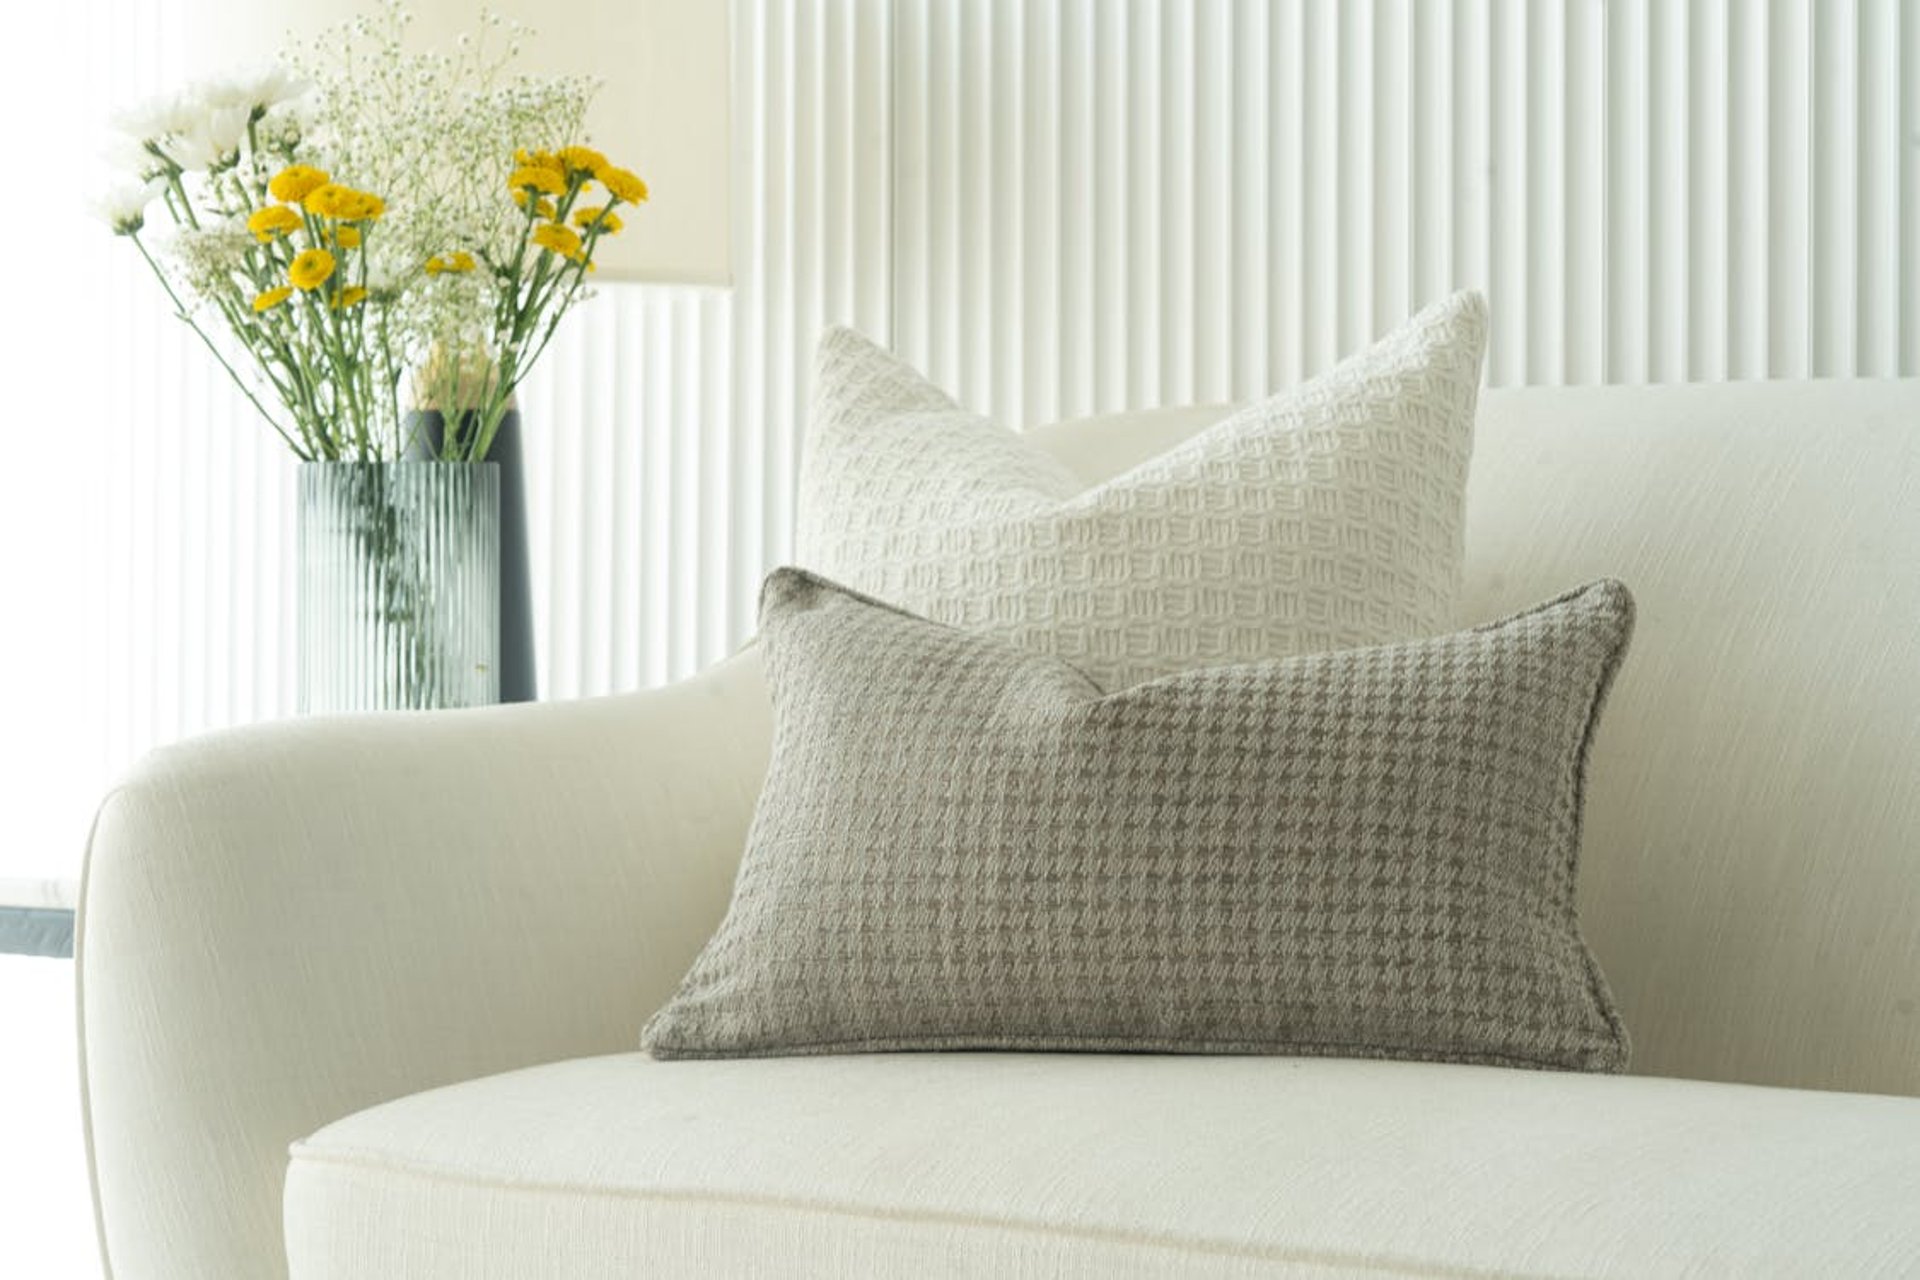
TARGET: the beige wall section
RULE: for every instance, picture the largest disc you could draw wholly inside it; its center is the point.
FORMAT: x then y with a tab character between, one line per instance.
662	110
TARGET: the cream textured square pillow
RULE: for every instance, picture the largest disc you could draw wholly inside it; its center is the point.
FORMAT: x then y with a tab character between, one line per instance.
1364	853
1326	517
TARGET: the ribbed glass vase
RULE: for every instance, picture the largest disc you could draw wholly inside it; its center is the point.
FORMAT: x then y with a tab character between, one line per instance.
399	585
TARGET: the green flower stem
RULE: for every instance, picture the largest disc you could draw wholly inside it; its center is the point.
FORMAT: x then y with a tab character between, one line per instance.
181	309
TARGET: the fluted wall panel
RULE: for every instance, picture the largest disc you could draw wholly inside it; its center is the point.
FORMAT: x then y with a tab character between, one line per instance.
812	128
1103	205
634	490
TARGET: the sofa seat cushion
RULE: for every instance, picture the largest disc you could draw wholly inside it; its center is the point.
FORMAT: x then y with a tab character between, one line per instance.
1111	1166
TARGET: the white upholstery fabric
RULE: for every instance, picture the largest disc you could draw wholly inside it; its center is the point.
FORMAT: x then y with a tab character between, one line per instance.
1327	517
1076	1165
283	925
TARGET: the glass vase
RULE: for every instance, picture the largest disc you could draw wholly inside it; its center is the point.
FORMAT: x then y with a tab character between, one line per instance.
427	429
399	585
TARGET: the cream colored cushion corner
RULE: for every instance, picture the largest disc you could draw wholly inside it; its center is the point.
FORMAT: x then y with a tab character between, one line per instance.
1327	517
1101	1166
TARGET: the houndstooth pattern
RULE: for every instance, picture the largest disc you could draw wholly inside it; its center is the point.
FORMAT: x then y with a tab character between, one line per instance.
1326	517
1362	853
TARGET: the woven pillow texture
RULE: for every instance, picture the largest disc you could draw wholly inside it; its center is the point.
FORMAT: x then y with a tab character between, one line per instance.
962	845
1327	517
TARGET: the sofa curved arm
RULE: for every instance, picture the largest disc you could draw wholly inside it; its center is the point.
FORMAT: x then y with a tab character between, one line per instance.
285	924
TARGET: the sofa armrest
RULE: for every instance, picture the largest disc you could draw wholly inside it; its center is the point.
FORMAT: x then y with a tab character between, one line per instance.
284	924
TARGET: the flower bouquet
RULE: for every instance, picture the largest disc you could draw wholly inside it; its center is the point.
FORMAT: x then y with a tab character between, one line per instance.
358	232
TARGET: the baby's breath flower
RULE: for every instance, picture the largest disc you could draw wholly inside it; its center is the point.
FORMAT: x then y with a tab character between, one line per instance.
282	128
211	256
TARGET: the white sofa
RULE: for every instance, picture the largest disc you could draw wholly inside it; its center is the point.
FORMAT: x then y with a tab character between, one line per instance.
419	949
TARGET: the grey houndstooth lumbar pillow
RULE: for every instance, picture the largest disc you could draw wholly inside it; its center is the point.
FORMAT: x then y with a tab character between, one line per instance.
962	844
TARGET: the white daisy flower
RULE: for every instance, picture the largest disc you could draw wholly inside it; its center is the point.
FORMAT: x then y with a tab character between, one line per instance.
255	91
127	157
159	117
123	205
213	140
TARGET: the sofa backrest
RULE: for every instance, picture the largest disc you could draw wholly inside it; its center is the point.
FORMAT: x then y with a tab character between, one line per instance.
1751	879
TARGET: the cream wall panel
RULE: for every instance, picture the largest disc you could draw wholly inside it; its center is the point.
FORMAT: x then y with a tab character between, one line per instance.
633	490
813	110
1100	206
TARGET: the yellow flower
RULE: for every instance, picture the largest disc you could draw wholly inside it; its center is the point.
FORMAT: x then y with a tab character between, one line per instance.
274	220
623	183
582	159
272	298
557	239
457	261
344	203
295	182
540	160
544	207
347	237
351	296
311	268
537	178
609	221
